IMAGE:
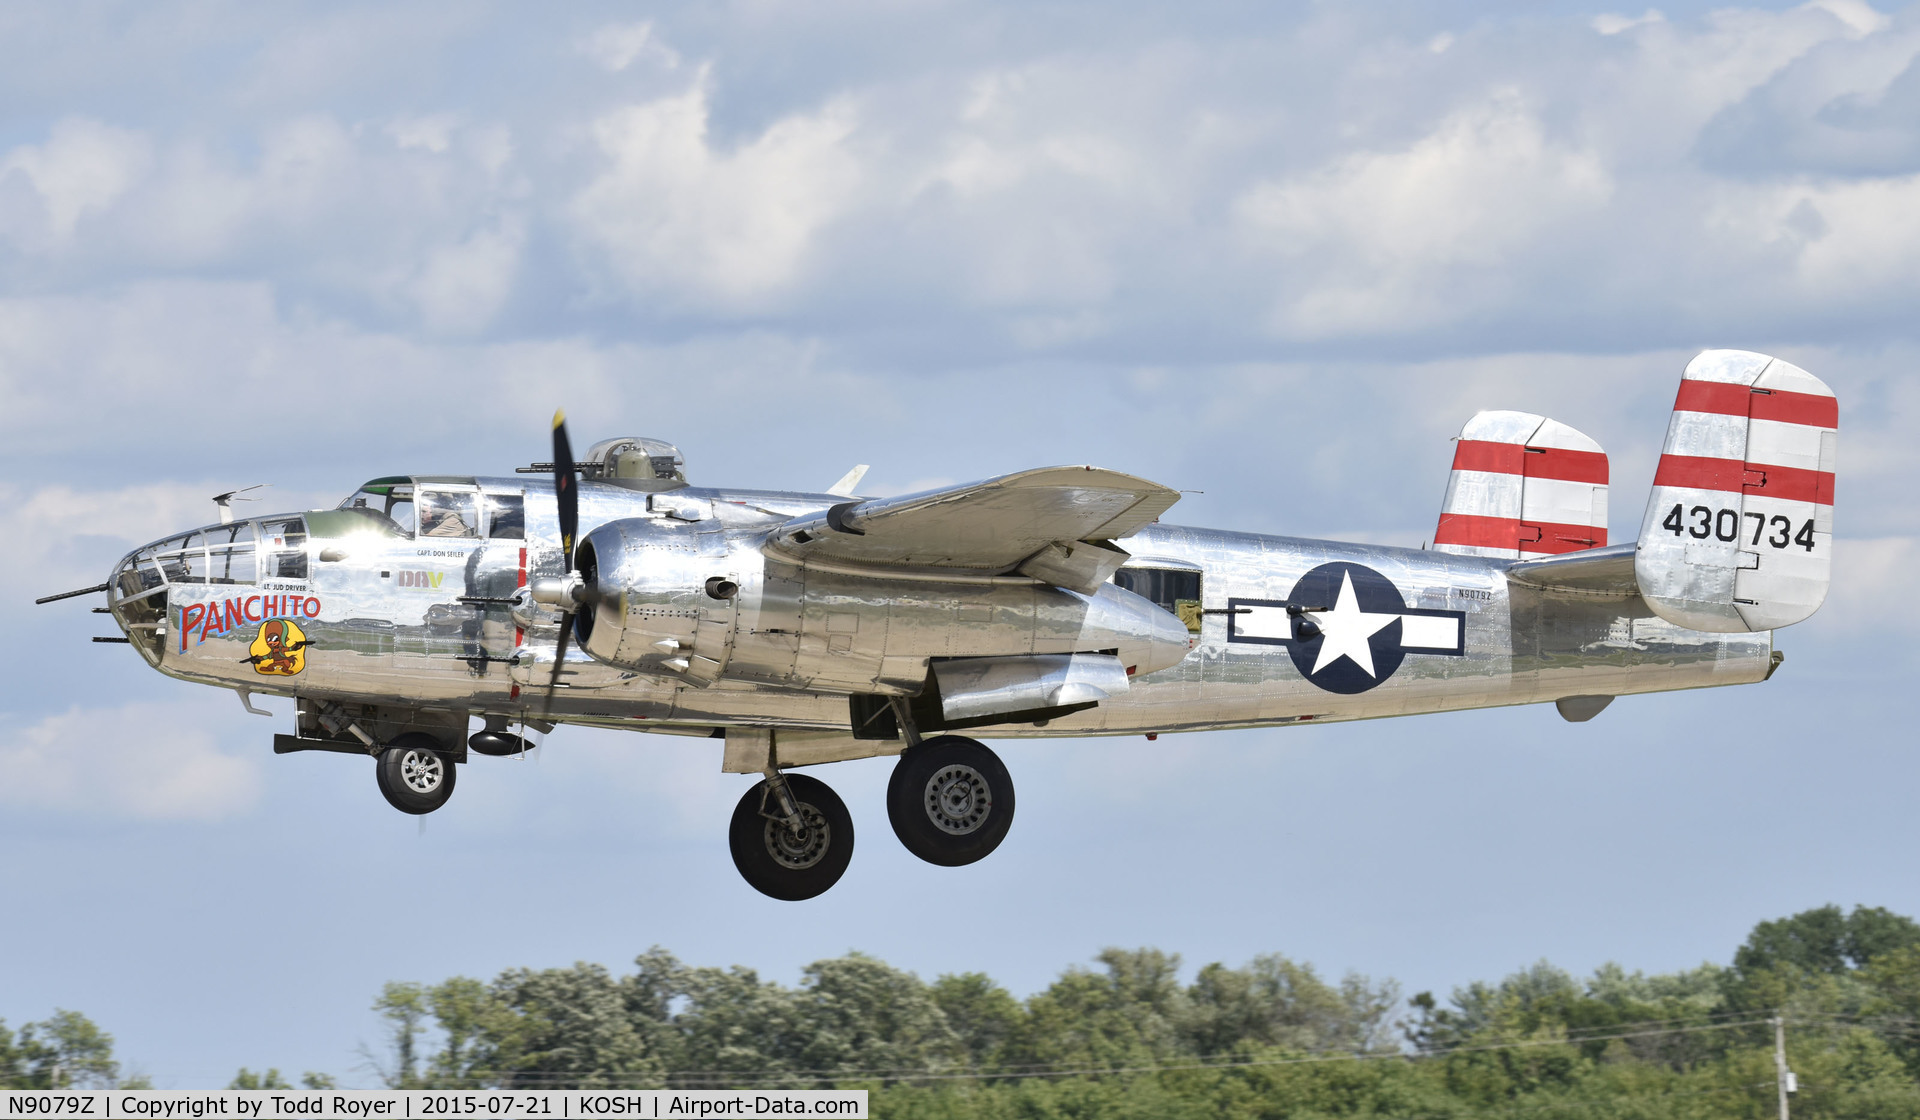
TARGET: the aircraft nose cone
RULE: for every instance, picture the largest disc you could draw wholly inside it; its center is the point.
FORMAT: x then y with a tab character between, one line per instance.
1167	645
1149	639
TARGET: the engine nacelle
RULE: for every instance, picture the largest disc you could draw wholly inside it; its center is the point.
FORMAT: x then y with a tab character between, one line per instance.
700	602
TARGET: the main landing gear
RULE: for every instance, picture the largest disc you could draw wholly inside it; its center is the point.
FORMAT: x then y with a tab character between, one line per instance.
791	836
950	800
414	776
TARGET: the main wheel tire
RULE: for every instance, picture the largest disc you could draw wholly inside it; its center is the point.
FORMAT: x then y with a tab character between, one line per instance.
950	800
781	864
414	775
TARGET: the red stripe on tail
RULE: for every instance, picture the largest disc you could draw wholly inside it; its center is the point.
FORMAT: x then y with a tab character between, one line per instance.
1734	477
1722	399
1510	532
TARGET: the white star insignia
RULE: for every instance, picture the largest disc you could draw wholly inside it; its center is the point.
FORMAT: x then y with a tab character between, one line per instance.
1346	629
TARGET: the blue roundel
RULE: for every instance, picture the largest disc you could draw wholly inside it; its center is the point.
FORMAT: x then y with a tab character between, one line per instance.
1373	604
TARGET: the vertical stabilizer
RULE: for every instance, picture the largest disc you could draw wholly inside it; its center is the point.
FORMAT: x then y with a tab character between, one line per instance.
1738	534
1523	486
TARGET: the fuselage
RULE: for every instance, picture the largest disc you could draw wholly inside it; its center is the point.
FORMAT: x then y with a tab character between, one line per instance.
336	605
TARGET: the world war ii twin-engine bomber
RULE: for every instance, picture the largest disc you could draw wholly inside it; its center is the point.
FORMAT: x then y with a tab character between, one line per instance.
804	628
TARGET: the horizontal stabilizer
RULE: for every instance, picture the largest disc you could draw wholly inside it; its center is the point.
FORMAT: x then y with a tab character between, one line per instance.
1523	486
1035	521
1598	572
1738	534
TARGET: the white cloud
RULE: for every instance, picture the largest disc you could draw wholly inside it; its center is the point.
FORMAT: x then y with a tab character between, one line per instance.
618	45
462	286
144	761
83	166
1860	18
1613	24
670	210
1389	239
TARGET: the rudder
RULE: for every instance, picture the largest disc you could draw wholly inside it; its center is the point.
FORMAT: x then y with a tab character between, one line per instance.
1738	534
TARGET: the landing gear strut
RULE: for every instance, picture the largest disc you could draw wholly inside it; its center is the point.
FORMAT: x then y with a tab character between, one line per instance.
791	837
414	776
950	800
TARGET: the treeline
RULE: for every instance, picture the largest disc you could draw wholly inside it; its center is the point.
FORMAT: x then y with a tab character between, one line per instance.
1270	1039
1127	1038
64	1051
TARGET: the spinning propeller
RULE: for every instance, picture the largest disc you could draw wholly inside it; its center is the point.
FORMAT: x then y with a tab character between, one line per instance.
566	491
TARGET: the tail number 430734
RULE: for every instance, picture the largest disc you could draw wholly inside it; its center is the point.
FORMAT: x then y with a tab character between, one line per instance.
1701	522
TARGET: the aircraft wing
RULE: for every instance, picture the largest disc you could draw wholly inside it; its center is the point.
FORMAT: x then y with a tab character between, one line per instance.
1053	524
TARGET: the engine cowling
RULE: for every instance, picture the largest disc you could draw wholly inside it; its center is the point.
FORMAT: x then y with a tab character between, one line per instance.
703	603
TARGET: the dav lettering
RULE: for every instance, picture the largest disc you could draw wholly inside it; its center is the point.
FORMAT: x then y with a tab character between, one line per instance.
219	619
428	580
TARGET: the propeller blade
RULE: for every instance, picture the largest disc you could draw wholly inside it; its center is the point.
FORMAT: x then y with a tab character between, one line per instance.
559	661
565	488
566	493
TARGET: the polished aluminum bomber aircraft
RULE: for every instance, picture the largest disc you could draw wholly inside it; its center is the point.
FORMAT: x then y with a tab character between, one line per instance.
802	629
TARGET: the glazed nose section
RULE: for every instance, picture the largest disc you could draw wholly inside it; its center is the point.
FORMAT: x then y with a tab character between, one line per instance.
137	595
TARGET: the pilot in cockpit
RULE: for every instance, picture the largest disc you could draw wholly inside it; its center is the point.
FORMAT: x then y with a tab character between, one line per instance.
448	515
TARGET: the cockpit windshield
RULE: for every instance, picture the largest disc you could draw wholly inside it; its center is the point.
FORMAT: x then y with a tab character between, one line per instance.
387	501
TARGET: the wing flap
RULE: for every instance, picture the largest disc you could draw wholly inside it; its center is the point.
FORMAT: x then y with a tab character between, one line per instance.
993	526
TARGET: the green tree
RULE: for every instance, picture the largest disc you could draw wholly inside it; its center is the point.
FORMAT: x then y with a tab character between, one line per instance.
1125	1017
405	1008
247	1079
475	1025
1275	1002
863	1019
68	1051
569	1028
734	1029
13	1069
1824	940
982	1015
649	993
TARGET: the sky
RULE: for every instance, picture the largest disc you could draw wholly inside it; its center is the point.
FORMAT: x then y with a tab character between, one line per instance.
1274	255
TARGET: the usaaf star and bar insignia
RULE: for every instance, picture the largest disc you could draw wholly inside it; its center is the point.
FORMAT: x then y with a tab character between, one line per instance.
1347	627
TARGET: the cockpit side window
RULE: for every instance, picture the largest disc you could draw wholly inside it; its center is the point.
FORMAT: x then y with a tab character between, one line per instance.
1176	590
284	540
506	517
448	513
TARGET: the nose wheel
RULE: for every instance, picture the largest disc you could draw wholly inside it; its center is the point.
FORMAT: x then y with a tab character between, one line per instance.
414	776
950	800
791	857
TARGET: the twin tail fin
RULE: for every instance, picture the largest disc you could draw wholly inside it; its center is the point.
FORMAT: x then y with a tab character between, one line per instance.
1523	486
1738	533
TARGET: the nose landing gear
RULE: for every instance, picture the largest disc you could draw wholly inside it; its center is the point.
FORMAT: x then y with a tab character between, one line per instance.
950	800
414	776
791	843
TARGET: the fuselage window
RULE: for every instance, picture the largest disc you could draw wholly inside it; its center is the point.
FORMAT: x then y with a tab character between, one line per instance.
448	513
1173	589
506	517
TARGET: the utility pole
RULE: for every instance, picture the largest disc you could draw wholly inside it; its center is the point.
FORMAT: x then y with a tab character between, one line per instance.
1783	1077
